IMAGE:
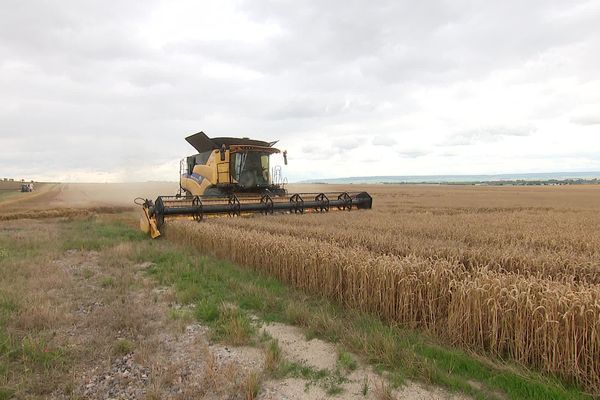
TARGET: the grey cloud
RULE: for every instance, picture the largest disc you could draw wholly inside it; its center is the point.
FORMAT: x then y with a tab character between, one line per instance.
322	106
346	144
330	149
427	40
146	77
306	108
228	51
411	153
447	154
586	119
383	140
487	135
315	152
71	33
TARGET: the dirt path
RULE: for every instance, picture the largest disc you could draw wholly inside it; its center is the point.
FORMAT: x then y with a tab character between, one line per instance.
360	383
127	346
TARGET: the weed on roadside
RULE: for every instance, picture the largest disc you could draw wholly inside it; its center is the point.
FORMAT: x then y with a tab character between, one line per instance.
122	347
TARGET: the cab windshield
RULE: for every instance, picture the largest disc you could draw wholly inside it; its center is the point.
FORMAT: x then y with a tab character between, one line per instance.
250	169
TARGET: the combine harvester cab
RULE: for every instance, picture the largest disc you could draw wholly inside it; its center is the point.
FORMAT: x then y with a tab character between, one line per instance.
232	177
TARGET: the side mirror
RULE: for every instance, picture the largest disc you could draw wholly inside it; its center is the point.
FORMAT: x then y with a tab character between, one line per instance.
222	153
285	157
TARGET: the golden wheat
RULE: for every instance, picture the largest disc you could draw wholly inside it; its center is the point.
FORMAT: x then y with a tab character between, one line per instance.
497	274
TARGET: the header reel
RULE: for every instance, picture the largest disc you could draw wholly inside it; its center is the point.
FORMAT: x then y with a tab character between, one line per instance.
197	208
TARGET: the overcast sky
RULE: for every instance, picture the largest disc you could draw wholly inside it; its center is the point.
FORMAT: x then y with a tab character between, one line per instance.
107	91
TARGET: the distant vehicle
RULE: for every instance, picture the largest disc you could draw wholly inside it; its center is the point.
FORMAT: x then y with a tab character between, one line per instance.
27	187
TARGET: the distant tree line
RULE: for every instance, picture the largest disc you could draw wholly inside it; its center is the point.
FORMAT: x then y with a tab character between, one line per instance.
12	180
516	182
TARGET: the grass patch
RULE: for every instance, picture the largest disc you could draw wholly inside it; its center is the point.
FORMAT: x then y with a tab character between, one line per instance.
38	353
232	326
364	389
6	393
107	282
289	369
122	347
330	381
31	362
181	314
97	234
87	273
346	362
272	356
27	356
251	386
384	391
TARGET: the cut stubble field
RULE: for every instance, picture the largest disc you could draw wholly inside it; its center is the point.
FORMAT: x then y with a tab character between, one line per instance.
493	292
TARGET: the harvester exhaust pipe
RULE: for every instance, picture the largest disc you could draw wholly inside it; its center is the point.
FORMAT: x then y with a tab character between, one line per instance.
197	208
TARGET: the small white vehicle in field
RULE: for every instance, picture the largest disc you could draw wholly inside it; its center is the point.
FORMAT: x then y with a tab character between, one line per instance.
27	187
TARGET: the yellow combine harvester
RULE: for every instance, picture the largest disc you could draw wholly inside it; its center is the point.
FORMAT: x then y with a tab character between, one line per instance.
232	177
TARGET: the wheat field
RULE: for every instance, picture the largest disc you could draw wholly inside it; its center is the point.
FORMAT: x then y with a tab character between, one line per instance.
511	272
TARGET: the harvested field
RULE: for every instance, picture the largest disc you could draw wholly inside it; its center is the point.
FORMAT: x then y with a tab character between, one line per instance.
63	212
79	198
509	271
